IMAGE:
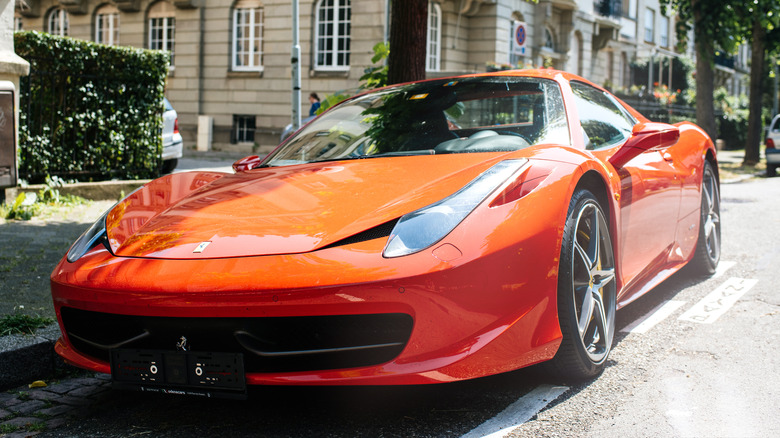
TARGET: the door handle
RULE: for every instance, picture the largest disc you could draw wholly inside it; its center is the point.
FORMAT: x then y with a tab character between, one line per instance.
668	157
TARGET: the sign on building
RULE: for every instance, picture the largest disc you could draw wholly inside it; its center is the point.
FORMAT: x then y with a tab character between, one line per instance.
519	37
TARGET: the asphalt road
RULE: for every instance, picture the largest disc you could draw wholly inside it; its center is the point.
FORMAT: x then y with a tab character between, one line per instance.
695	357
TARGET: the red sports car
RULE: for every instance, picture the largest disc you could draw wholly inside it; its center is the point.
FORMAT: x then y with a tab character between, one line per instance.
420	233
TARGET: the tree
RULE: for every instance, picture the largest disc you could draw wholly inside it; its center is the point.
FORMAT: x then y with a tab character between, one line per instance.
408	35
714	24
760	22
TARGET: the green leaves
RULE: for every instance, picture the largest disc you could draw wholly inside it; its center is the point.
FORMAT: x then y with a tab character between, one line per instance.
376	77
89	111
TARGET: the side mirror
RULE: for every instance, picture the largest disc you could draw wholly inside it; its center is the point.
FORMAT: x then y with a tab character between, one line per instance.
645	137
247	163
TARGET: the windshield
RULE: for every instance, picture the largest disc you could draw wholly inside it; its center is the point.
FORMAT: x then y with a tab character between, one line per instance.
467	115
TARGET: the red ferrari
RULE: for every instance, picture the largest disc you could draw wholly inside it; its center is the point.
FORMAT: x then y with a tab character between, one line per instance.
420	233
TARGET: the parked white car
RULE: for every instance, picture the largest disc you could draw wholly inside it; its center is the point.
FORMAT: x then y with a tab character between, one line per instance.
172	141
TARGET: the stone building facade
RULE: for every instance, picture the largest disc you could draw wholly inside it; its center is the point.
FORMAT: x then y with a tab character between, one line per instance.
231	58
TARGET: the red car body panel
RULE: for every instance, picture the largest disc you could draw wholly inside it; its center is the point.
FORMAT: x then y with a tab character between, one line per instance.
483	299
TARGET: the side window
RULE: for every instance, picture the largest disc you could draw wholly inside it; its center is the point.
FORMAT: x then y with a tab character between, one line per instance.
604	124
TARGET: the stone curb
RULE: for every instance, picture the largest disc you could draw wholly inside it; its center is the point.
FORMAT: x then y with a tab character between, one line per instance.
27	358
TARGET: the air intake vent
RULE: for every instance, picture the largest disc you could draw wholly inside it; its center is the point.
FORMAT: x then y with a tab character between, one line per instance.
377	232
269	344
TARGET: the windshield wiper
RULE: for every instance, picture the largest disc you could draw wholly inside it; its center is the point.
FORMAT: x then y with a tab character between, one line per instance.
400	154
354	157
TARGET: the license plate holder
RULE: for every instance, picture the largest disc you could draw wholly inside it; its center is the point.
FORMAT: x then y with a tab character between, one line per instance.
179	372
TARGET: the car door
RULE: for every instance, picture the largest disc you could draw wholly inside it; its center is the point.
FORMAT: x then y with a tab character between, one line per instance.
650	189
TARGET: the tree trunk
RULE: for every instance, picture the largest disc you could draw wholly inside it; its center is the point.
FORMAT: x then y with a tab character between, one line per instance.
408	38
753	146
705	83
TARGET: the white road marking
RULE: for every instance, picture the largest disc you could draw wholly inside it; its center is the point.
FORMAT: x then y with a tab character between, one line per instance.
718	301
722	268
653	317
518	412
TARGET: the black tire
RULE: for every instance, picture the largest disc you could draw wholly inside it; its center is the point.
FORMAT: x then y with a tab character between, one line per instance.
586	291
707	256
770	170
169	165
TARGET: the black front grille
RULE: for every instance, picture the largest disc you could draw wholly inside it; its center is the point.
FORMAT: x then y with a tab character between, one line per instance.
269	344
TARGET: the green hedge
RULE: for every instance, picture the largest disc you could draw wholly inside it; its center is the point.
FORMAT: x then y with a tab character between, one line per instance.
89	111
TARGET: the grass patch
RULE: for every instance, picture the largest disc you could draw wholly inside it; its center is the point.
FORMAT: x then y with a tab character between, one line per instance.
19	323
734	170
7	428
730	165
36	427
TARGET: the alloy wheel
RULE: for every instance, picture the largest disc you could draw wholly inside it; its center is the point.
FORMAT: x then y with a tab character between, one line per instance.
593	269
711	215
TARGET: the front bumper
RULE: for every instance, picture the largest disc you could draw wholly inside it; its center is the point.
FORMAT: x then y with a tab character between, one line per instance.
449	322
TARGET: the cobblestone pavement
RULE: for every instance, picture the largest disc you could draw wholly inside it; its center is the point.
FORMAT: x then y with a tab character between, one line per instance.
26	412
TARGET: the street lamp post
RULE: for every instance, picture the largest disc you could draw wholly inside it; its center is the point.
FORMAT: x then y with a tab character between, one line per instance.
296	70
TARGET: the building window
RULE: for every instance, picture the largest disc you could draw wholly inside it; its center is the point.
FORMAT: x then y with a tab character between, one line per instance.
107	25
664	31
433	52
18	24
549	42
649	24
629	9
247	36
243	129
162	27
332	30
57	24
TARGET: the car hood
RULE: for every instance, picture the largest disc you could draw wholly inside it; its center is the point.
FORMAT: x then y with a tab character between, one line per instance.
280	210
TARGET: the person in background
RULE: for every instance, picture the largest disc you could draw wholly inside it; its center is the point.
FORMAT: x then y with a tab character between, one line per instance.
315	104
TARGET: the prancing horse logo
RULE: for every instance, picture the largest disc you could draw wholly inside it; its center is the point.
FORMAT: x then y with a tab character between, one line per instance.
199	249
182	344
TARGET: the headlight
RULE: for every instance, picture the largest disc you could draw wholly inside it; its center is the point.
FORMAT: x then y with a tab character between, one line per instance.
88	239
422	228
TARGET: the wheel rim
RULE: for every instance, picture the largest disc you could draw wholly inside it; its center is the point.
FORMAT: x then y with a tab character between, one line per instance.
711	215
593	270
